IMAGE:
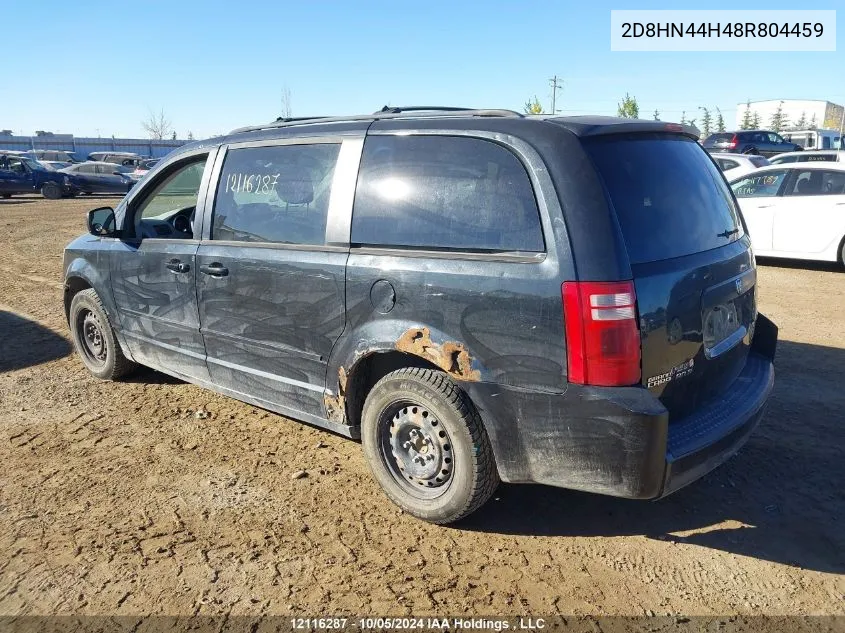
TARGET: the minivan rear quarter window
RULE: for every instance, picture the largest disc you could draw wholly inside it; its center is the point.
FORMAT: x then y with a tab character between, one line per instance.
444	192
669	197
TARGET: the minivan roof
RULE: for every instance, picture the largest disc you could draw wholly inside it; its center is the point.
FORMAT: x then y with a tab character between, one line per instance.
587	125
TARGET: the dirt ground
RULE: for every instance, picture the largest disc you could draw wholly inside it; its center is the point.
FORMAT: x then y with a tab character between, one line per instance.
115	498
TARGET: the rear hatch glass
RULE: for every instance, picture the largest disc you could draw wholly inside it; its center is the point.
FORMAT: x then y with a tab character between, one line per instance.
693	271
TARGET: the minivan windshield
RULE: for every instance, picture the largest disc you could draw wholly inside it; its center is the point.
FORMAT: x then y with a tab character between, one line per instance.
669	197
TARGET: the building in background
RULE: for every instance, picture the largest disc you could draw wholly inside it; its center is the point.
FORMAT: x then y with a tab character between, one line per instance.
84	146
818	114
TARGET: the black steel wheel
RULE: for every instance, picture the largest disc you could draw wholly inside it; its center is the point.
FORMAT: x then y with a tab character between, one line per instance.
416	448
94	339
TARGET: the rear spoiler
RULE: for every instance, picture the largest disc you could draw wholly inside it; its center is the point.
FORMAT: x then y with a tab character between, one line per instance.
601	126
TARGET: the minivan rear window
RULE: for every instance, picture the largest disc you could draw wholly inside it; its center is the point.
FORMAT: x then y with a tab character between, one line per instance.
669	197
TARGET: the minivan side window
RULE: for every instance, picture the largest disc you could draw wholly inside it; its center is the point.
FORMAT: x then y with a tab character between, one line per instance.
177	191
444	192
278	193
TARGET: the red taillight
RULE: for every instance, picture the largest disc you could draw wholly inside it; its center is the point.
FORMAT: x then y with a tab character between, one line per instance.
602	338
734	141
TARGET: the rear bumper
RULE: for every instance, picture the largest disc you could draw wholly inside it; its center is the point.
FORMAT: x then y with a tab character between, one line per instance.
618	441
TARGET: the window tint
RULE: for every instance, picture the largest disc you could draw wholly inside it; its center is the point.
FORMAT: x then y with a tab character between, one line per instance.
275	194
88	169
759	185
444	192
728	164
815	182
758	161
176	191
774	138
665	213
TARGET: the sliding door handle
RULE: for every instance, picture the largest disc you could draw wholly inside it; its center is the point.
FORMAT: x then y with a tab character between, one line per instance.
215	270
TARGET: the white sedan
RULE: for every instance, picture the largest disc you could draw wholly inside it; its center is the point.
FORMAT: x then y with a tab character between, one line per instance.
795	210
735	165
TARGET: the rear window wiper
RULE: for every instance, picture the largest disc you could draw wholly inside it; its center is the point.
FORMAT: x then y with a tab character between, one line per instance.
726	234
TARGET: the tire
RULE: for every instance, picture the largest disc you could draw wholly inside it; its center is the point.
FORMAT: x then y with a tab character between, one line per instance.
426	445
94	339
51	191
842	253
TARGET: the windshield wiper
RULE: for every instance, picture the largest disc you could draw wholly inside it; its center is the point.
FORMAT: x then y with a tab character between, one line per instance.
726	234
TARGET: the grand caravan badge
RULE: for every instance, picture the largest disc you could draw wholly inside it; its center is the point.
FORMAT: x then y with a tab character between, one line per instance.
679	371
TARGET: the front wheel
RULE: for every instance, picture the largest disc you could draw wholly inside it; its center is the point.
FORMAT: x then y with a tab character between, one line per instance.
94	338
426	445
51	191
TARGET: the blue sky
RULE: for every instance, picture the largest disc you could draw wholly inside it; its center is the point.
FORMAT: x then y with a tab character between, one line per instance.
94	67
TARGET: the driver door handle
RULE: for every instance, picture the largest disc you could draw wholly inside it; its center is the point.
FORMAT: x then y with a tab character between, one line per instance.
215	270
177	266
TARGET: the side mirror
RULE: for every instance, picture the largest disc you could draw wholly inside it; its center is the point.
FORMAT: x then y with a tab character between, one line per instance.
101	222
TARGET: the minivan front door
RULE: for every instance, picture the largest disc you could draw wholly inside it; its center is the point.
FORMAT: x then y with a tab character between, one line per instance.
271	289
154	271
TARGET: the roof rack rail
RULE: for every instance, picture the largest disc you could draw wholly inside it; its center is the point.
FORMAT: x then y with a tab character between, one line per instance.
387	112
471	111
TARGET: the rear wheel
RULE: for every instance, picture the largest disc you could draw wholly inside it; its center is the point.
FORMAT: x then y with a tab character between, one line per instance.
426	445
842	253
94	339
51	191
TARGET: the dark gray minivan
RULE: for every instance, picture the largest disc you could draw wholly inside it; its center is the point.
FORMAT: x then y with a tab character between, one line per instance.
475	294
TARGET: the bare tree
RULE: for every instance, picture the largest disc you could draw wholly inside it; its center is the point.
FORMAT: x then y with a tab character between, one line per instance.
287	110
158	126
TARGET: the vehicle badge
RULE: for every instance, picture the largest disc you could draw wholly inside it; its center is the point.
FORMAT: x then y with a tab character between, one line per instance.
739	286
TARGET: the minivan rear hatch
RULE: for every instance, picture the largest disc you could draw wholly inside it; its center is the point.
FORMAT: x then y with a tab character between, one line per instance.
720	140
693	270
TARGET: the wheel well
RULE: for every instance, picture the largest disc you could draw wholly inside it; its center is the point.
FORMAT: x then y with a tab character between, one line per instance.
363	376
840	253
72	286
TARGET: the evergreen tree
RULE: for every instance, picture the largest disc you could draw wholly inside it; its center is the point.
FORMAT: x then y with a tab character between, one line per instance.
656	115
778	120
746	117
706	121
755	122
720	121
802	122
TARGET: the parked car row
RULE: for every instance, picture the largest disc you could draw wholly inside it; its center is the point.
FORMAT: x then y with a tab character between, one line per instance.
21	174
793	202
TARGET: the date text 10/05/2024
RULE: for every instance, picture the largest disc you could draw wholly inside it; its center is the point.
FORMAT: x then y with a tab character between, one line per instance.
426	623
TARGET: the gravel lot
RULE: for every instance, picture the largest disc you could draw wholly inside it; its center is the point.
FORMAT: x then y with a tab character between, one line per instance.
117	498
